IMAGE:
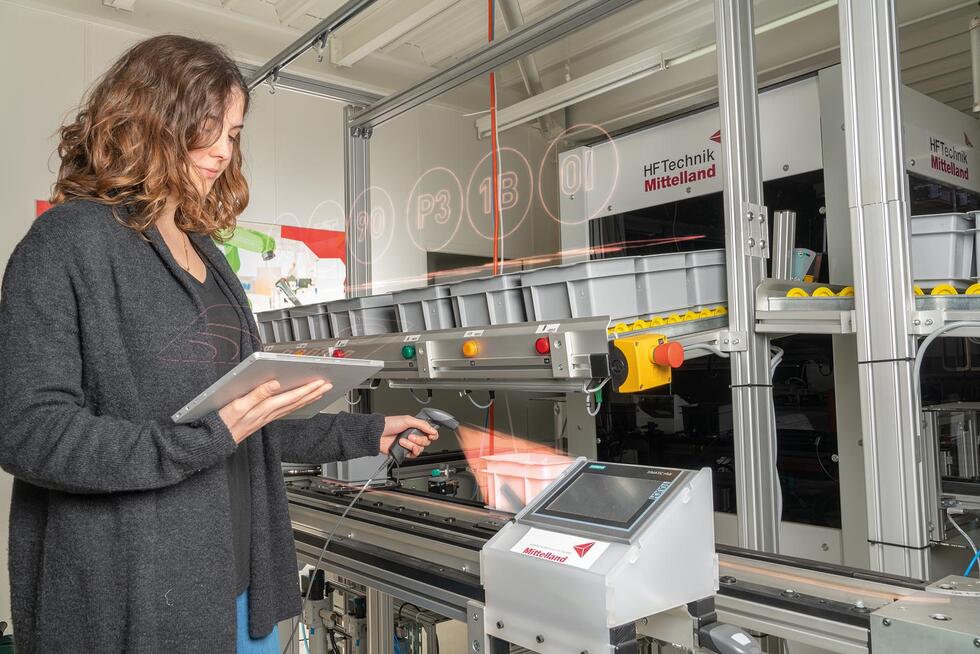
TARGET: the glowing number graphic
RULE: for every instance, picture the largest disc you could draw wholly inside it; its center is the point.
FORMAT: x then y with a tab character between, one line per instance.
445	210
508	192
377	222
577	174
361	224
426	203
437	205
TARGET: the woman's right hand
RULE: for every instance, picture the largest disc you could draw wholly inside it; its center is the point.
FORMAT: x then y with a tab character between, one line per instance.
265	403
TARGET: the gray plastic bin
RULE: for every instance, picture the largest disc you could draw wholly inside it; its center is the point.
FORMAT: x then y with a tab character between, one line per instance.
274	326
421	309
605	287
707	278
309	322
661	283
943	247
362	316
488	301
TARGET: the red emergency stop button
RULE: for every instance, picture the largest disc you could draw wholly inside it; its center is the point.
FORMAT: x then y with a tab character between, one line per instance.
669	354
338	353
542	345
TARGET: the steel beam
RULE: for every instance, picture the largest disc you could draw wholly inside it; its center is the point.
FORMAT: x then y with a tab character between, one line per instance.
357	164
319	88
293	51
878	202
746	251
515	45
381	621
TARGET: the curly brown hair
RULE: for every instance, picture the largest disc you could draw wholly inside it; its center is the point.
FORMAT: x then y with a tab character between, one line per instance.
128	144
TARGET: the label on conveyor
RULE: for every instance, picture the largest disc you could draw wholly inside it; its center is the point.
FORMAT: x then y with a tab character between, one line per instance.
563	549
551	328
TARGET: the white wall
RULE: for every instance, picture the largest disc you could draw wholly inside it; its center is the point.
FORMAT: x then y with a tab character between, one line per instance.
293	143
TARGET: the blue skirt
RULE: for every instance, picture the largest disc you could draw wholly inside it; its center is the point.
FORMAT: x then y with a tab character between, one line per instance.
246	644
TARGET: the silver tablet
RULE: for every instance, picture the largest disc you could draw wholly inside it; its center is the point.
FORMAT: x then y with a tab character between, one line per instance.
292	371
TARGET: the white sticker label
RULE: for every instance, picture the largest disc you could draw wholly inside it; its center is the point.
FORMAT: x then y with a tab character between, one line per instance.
412	338
741	639
551	328
472	333
562	549
341	343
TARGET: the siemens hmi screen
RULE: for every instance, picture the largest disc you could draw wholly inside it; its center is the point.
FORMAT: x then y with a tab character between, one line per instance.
610	495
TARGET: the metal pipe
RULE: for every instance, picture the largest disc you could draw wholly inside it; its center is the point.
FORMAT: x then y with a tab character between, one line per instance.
515	45
975	60
783	240
746	233
293	51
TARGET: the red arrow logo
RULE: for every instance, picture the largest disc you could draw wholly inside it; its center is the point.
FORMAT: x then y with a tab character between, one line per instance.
716	137
583	549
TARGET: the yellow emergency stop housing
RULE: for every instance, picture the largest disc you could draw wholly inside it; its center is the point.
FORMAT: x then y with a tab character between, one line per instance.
632	366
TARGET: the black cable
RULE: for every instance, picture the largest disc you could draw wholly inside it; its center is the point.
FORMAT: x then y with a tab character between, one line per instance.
333	642
418	611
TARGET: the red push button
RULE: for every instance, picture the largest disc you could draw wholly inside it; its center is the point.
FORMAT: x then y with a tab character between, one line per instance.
338	353
542	345
669	354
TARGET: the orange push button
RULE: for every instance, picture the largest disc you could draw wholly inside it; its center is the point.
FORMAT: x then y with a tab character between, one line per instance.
669	354
471	348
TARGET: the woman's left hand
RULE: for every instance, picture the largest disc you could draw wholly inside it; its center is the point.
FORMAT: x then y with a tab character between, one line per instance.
415	442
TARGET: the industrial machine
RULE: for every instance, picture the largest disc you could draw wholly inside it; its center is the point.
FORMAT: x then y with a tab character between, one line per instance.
619	558
601	529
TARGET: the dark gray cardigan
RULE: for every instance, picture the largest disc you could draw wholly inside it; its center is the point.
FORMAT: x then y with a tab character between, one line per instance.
120	533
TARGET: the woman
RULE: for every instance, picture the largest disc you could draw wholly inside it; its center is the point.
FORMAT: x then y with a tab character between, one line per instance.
129	533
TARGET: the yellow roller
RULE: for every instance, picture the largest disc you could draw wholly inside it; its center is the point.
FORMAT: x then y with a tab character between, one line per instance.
823	291
657	321
690	315
720	311
917	290
847	291
944	289
639	324
619	328
706	313
973	290
674	318
797	292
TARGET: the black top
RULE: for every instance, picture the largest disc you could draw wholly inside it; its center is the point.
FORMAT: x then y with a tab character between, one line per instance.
223	337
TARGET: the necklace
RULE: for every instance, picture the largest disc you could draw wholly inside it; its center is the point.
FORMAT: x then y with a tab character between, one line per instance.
187	258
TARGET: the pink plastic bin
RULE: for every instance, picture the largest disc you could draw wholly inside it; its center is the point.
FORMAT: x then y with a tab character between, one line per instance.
523	475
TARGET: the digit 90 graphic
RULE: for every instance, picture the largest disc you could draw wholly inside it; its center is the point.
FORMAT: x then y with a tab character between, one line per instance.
376	227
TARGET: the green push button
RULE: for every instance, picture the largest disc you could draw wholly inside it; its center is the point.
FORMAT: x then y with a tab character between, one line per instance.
408	351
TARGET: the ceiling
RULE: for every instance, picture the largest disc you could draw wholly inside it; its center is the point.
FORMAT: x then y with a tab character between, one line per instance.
395	43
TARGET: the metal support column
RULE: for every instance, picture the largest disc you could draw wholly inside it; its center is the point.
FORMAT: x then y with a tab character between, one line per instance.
746	244
357	163
381	622
878	201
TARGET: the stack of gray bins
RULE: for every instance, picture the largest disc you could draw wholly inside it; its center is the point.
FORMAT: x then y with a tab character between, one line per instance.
604	287
424	309
943	248
310	322
678	281
626	288
488	301
274	326
362	316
